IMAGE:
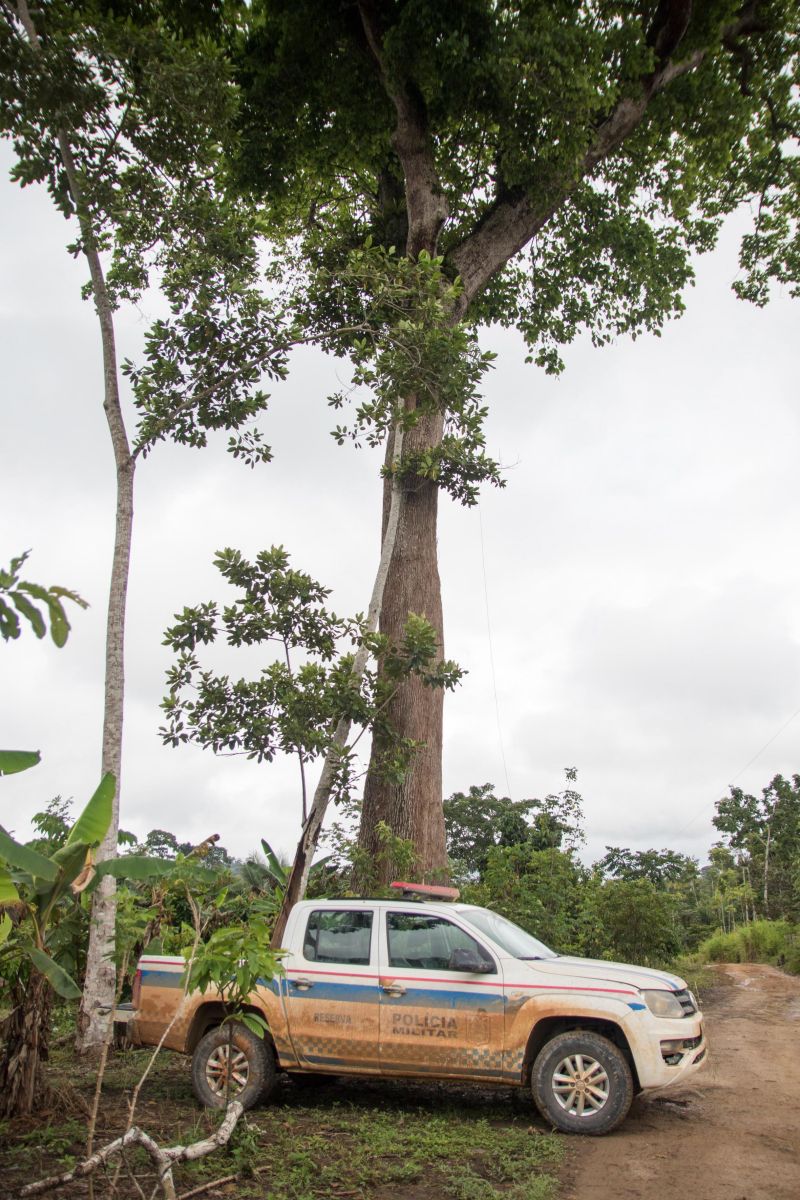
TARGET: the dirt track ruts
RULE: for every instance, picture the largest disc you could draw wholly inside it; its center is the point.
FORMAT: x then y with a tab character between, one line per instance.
733	1132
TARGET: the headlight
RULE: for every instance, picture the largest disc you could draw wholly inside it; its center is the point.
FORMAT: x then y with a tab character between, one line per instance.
663	1004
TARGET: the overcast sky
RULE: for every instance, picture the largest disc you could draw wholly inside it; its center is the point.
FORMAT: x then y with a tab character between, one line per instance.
641	567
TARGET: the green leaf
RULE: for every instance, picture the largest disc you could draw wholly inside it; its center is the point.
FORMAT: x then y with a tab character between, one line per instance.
8	893
9	622
23	605
26	859
12	761
135	866
92	825
272	859
5	928
254	1023
59	625
58	978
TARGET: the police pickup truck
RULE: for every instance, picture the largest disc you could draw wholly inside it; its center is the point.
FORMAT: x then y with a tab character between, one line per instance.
423	987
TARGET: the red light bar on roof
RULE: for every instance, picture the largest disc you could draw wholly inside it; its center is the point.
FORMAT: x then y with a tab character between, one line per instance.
426	889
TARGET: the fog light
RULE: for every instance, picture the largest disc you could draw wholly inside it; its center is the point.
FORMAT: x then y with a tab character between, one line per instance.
672	1052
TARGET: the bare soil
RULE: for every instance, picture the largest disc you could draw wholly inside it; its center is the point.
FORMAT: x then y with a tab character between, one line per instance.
733	1132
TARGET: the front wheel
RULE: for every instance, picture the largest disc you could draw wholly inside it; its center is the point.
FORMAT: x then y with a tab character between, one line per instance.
582	1083
231	1063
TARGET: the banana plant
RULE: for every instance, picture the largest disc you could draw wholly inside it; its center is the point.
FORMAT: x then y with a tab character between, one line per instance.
39	895
35	885
277	872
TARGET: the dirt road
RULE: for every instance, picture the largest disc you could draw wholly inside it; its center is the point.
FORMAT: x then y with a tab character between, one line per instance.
733	1133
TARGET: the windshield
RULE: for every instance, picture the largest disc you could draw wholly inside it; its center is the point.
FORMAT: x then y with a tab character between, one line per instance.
514	941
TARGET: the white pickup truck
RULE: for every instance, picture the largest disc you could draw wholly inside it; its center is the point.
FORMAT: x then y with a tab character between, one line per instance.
423	988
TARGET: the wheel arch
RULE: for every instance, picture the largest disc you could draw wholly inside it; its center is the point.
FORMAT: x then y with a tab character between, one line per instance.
209	1015
550	1027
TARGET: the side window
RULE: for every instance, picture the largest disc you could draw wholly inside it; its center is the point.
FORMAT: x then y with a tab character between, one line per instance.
338	936
427	942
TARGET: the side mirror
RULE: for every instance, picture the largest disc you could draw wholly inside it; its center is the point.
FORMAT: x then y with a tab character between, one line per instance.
469	961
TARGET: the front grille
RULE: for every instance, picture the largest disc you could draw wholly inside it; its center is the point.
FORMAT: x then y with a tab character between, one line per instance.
687	1002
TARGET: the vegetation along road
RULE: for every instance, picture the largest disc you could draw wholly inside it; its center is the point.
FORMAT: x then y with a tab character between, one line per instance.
732	1135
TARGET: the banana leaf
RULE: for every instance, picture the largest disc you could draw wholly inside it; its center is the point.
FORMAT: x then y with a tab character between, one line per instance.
8	893
58	978
12	761
92	825
25	859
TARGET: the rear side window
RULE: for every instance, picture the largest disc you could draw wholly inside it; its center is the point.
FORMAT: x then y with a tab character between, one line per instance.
338	936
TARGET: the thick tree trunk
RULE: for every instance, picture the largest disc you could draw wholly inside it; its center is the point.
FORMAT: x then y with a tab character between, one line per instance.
26	1035
412	809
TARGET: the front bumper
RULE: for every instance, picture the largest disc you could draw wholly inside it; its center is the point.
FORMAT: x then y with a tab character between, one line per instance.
655	1072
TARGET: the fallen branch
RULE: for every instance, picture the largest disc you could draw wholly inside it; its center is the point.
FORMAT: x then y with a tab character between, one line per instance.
164	1160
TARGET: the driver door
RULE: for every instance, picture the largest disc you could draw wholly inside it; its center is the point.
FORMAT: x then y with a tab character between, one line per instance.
435	1019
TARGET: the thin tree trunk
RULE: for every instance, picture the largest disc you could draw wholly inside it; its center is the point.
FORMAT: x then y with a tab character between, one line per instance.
26	1035
100	981
97	1001
98	995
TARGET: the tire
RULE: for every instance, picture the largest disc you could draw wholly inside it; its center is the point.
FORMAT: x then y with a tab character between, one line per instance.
577	1058
255	1071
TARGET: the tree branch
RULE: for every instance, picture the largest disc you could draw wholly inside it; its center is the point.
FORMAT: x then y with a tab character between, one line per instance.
163	1160
281	347
425	199
513	220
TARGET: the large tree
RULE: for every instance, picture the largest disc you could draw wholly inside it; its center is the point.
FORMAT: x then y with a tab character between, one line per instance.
564	159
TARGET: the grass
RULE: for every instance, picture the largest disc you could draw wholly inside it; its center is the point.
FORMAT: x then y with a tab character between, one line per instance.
343	1140
775	942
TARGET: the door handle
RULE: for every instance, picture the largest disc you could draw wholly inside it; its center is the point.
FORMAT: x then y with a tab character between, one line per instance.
302	985
393	989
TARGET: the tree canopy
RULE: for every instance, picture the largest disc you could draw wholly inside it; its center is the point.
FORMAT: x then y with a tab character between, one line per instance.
609	139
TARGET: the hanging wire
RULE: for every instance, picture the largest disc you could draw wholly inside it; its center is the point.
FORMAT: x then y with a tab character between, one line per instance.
757	755
491	656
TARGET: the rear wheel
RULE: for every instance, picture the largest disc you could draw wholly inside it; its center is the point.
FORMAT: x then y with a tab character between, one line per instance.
582	1083
232	1063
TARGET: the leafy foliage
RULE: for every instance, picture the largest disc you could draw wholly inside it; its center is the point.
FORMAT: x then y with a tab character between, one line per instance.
647	906
139	100
234	962
288	709
22	593
619	146
477	821
764	832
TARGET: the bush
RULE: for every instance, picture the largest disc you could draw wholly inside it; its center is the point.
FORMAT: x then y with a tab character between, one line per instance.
775	942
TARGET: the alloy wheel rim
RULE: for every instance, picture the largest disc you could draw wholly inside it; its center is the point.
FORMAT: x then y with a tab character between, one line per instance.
222	1065
581	1085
